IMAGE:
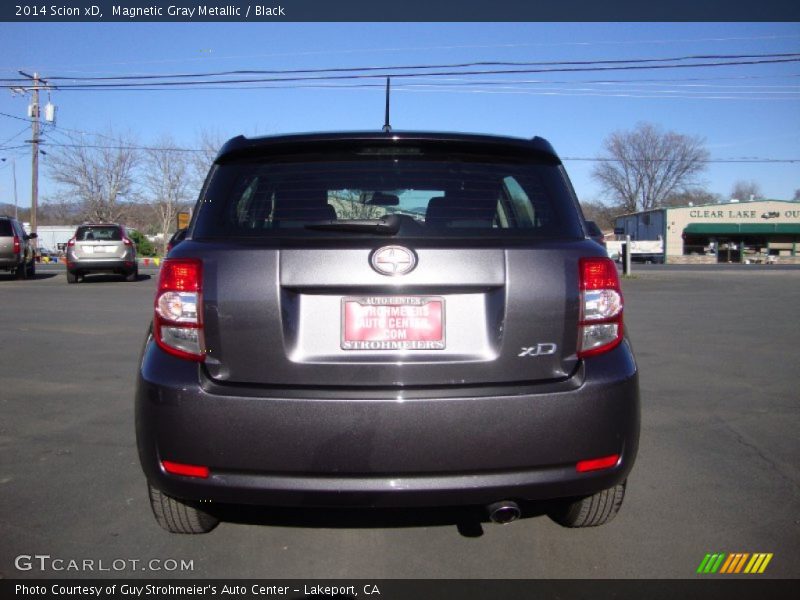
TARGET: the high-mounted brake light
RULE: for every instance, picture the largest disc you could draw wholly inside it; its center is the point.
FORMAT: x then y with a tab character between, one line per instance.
178	322
600	324
17	247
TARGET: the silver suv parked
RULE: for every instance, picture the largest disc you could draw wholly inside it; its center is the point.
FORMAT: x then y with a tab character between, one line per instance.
101	248
17	254
387	320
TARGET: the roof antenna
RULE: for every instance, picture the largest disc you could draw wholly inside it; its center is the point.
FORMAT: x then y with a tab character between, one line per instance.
386	126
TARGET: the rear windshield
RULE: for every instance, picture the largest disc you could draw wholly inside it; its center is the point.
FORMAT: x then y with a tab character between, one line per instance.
88	233
432	197
5	228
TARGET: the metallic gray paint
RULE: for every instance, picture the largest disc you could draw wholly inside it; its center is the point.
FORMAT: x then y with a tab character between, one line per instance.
272	316
282	415
389	450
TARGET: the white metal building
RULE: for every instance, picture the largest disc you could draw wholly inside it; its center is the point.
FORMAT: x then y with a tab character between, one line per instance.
758	231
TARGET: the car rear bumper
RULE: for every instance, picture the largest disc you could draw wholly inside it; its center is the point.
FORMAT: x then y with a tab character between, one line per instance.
11	262
296	448
106	265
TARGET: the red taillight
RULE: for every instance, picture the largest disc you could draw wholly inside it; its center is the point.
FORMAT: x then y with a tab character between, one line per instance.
71	243
600	325
186	470
17	246
595	464
178	321
180	275
598	274
127	241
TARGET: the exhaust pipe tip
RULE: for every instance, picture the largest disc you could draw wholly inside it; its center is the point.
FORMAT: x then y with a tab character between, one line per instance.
504	512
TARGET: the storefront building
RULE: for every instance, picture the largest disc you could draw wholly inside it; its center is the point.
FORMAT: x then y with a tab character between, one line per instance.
765	231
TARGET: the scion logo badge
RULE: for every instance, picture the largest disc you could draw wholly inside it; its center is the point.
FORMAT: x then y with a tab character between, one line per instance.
393	260
735	562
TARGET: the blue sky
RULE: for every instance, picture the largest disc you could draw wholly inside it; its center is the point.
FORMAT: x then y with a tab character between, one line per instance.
741	111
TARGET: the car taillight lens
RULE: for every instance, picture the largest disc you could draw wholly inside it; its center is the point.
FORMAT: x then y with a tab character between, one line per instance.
600	325
71	243
17	247
178	321
127	241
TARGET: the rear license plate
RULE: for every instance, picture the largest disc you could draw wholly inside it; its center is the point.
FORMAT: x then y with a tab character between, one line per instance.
393	323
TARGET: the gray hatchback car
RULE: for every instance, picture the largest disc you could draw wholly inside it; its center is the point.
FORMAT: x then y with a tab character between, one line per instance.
387	320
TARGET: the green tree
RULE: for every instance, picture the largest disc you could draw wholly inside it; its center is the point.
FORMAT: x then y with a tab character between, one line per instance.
143	246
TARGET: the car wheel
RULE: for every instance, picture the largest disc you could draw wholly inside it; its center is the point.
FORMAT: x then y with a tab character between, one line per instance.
72	277
22	271
32	269
177	516
594	510
133	275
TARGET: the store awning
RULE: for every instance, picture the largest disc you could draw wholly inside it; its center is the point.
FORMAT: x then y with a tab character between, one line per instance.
742	229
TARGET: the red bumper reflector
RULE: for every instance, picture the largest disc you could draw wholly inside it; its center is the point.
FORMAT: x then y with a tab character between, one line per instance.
187	470
595	464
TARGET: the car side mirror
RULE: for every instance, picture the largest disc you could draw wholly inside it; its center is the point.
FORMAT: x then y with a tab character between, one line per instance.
32	236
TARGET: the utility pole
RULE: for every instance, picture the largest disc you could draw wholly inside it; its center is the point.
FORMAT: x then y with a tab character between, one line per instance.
34	115
14	175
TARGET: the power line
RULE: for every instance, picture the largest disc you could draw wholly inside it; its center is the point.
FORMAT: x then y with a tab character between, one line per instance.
16	135
570	158
191	84
512	45
707	161
120	147
462	65
14	116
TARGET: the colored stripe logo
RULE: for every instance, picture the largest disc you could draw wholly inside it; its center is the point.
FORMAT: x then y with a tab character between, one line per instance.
736	562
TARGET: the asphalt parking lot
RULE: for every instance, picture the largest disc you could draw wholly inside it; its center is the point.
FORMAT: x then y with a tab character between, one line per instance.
717	471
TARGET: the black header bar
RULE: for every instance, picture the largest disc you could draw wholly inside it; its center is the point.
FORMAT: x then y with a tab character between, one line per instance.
396	10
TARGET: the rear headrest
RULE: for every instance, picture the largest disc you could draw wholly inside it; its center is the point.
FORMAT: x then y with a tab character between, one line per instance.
460	210
295	206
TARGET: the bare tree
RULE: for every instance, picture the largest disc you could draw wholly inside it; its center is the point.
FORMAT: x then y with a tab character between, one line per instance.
602	214
352	205
694	197
167	181
58	212
746	190
209	143
641	168
101	177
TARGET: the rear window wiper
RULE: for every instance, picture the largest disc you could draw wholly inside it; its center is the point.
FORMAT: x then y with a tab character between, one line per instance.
388	225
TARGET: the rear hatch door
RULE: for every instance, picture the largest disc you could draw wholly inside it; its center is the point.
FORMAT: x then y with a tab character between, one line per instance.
307	279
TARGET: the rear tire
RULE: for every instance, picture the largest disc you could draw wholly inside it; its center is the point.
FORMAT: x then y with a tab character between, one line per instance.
72	277
178	516
22	271
133	275
594	510
32	270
